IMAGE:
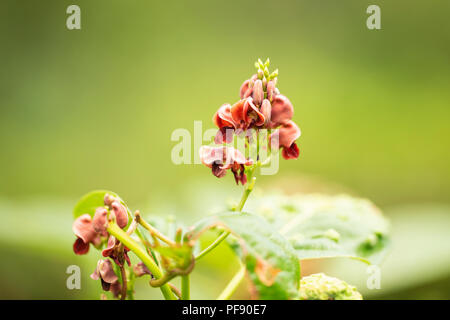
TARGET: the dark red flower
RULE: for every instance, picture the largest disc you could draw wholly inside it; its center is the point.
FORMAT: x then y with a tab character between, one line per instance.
105	273
84	230
220	159
286	136
115	251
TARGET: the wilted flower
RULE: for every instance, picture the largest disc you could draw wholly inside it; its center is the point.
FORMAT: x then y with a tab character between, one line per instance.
115	251
105	272
141	269
86	234
92	230
220	159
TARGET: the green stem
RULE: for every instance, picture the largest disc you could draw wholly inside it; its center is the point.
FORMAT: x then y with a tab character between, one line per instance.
117	232
233	284
239	207
216	242
185	287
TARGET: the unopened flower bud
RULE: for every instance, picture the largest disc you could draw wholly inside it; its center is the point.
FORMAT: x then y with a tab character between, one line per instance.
266	72
120	212
258	92
274	74
270	90
260	73
267	63
108	199
100	221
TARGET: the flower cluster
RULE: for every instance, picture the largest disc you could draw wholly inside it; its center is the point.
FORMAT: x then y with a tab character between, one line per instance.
261	106
94	231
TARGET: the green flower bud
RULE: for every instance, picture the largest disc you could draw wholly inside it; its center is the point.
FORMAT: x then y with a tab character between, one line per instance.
267	63
321	287
274	74
266	72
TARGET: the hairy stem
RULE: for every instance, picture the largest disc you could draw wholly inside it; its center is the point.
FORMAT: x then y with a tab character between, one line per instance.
185	287
117	232
233	284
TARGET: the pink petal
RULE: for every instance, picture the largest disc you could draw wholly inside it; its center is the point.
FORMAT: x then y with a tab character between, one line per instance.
237	113
288	133
251	112
109	250
100	221
282	111
120	212
222	118
84	229
106	270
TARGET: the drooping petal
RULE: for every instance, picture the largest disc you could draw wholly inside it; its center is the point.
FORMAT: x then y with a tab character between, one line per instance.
120	212
80	247
218	170
288	133
238	114
109	250
210	155
252	114
220	159
141	269
292	152
84	229
106	271
100	221
282	111
222	118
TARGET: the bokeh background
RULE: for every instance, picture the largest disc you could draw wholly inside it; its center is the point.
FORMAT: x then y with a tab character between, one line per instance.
95	108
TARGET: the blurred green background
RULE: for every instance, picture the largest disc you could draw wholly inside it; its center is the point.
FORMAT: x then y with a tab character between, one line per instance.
95	108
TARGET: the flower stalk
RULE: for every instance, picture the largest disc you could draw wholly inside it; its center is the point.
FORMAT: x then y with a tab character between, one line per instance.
117	232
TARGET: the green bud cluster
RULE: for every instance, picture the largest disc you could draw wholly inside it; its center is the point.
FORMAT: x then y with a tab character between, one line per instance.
321	287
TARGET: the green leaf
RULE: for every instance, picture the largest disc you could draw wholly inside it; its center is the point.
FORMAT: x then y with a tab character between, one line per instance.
91	201
271	262
320	226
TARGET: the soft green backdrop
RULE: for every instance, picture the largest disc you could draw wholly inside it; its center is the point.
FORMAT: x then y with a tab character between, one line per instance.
95	108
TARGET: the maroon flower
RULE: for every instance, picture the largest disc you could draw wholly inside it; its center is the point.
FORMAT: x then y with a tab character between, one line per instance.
220	159
286	135
105	273
115	251
86	234
261	107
